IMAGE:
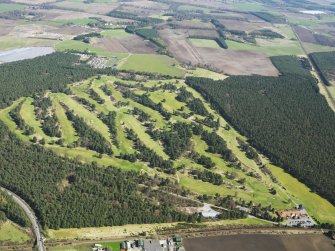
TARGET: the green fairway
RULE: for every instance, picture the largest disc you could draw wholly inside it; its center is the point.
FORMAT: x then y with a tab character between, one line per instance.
160	64
11	233
316	206
68	132
207	43
28	115
89	117
4	7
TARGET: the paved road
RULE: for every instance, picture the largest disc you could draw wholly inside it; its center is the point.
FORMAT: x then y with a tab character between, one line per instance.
31	215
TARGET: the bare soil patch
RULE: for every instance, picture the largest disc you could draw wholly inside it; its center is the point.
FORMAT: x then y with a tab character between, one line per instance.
309	36
192	24
245	26
254	242
197	32
238	62
130	44
6	26
226	61
72	30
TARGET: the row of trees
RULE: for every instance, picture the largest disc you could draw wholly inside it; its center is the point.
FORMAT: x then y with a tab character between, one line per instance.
89	138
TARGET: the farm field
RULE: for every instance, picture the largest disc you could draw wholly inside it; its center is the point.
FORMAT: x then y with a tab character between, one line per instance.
260	243
204	43
5	7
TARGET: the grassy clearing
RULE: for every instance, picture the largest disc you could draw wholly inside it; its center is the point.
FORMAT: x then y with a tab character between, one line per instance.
4	7
318	207
135	230
274	47
88	156
317	48
13	42
207	43
200	72
11	233
115	33
83	47
160	64
113	246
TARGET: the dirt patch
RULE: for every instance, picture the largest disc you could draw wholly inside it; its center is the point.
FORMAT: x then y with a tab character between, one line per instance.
197	32
226	61
6	26
244	26
72	30
260	243
238	62
309	36
130	44
192	24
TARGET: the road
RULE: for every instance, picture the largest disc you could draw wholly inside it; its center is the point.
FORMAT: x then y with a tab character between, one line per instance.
32	217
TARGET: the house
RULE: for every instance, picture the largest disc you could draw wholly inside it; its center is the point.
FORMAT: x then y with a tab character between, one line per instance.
291	213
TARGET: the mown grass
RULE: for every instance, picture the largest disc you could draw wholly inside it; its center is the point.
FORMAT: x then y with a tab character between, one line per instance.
160	64
113	246
315	205
207	43
28	115
81	111
68	132
11	233
204	73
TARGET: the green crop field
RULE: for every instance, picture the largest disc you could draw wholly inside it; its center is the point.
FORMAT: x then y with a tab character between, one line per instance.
207	43
115	33
11	233
4	7
152	63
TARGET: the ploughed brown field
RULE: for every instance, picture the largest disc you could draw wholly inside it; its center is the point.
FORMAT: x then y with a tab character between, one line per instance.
258	242
229	62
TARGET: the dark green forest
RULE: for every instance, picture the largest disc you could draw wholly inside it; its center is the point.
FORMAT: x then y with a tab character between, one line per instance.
9	209
65	193
325	64
52	72
284	117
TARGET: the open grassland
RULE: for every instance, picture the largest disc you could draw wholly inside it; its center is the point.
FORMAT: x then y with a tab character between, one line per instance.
152	63
135	230
13	42
115	33
200	72
113	246
11	233
318	207
5	7
209	43
273	47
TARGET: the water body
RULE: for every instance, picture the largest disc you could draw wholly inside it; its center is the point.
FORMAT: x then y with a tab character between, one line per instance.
24	53
260	242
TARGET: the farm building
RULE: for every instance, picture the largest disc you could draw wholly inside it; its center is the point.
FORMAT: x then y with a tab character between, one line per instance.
290	213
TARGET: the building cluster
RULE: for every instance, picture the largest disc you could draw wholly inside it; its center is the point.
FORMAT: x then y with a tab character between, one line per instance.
169	244
296	217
